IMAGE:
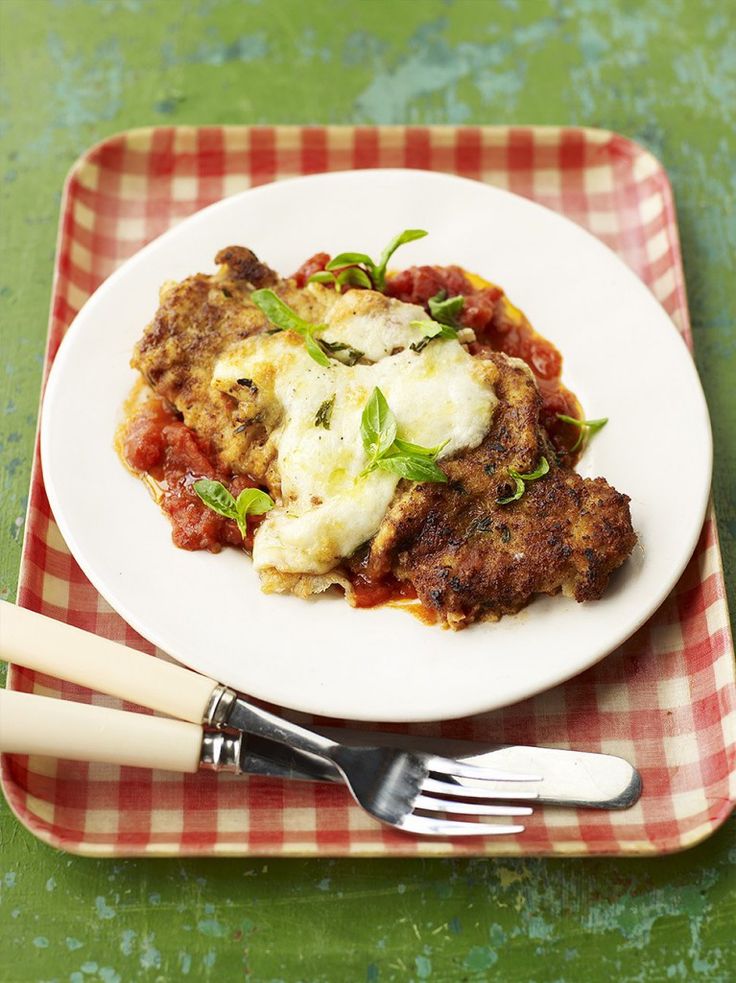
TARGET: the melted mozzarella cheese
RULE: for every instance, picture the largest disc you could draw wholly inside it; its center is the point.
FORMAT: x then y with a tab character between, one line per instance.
327	509
374	324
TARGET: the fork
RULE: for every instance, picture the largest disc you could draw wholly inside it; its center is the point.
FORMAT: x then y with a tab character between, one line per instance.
407	789
392	784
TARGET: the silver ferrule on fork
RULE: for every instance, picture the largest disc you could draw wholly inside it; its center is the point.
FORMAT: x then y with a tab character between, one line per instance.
220	751
219	706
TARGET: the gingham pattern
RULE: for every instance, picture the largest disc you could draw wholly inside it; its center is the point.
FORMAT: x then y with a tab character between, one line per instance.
665	700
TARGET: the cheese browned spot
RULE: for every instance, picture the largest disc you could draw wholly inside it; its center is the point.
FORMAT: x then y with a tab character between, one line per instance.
441	394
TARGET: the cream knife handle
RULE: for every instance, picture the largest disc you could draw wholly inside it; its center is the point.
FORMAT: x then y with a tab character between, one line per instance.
61	729
36	642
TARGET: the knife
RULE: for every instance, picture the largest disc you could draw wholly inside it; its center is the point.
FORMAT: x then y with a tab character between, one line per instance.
570	778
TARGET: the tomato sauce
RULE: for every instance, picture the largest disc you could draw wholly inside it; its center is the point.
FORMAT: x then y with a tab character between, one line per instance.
155	442
371	593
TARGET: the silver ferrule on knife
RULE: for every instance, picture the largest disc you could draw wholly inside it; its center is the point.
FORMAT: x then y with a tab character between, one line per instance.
219	706
221	751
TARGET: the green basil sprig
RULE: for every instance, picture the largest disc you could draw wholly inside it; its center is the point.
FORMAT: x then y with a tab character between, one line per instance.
520	481
586	428
283	318
387	451
446	309
431	330
359	270
352	276
251	501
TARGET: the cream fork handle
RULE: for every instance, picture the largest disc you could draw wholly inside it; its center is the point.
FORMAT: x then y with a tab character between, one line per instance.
32	724
52	647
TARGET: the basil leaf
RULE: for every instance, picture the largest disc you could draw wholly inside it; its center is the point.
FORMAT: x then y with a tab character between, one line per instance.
432	330
279	313
377	427
517	494
521	479
285	319
359	269
216	497
251	501
419	346
349	259
541	469
354	277
386	450
404	447
350	357
592	425
408	235
446	311
413	466
324	413
315	351
322	276
586	427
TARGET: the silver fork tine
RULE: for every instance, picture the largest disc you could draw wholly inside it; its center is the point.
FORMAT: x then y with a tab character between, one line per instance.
387	781
472	791
449	766
431	804
426	826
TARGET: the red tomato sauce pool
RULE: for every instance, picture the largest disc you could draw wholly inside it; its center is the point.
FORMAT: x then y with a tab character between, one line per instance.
155	442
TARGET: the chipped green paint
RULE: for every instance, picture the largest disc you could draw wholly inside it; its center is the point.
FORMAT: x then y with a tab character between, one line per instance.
664	73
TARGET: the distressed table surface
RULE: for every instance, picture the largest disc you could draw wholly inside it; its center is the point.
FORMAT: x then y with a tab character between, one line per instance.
662	72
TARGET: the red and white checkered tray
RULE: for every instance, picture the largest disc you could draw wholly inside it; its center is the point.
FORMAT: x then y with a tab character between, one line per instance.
665	700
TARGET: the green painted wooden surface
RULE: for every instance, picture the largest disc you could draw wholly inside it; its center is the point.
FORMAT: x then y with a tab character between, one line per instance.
660	71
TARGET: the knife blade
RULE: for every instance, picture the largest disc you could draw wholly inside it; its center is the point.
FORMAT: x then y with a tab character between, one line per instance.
569	778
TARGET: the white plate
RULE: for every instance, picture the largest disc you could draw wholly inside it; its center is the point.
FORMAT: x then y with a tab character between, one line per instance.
623	358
